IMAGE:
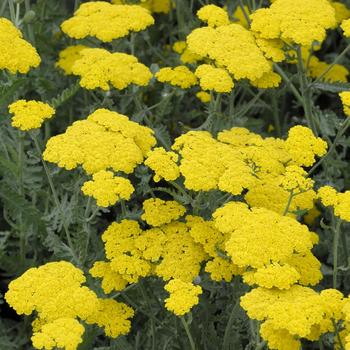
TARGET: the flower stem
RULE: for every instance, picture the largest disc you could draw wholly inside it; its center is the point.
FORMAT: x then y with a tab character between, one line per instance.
55	197
335	252
336	60
340	133
189	335
305	92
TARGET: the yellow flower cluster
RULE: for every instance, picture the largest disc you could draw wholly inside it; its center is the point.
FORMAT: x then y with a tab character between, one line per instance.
289	315
91	18
346	27
238	159
158	212
163	163
104	140
345	99
63	333
28	115
212	78
213	15
156	6
338	72
265	244
339	201
179	76
17	55
98	68
56	293
298	21
231	47
68	57
183	295
186	56
173	252
303	146
107	189
203	96
341	11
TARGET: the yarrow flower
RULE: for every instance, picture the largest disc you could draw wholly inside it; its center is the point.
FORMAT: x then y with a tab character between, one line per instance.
65	333
98	68
56	293
179	76
91	18
304	146
183	296
301	22
345	99
289	315
186	56
203	96
107	189
266	243
339	201
214	15
163	163
28	115
158	212
68	57
17	55
104	140
231	47
212	78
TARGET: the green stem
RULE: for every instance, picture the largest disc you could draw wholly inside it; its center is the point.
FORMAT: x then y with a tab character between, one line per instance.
305	92
286	210
275	114
189	335
340	133
226	342
335	252
153	327
245	14
336	60
22	237
12	12
29	25
55	197
289	83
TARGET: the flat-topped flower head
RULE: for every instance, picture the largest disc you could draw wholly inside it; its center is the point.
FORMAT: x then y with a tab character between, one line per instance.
214	15
163	163
63	333
183	296
107	189
304	146
55	292
91	19
179	76
340	202
298	21
158	212
98	68
105	140
68	56
17	55
213	78
231	47
298	312
28	115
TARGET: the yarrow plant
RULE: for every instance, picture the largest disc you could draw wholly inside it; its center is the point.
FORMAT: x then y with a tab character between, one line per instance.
174	175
